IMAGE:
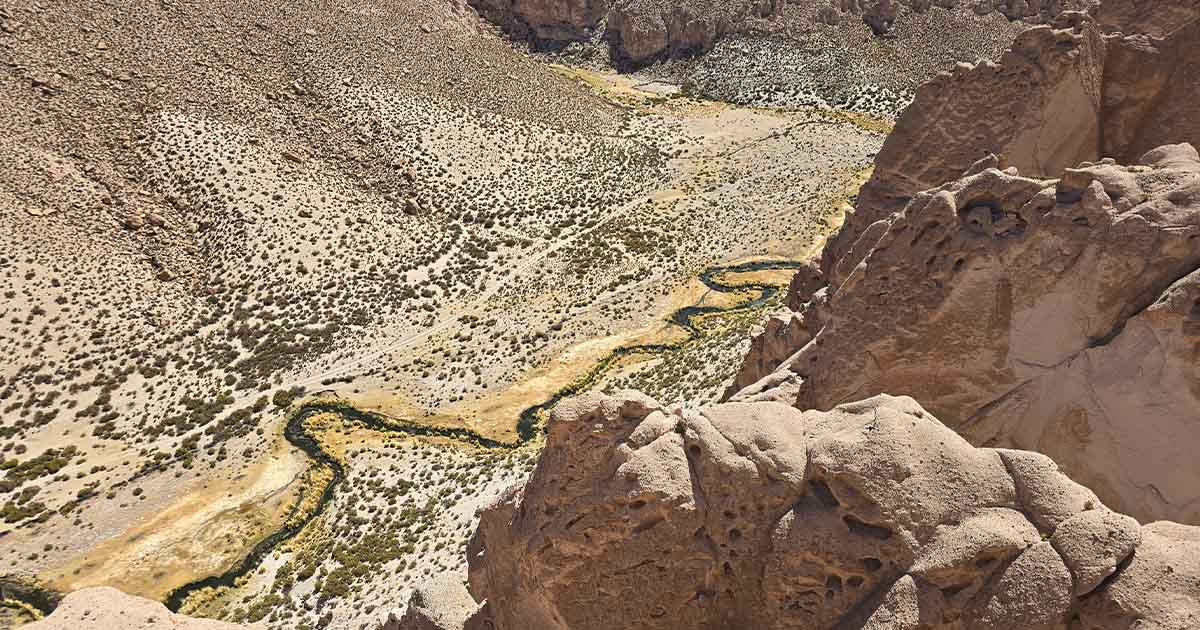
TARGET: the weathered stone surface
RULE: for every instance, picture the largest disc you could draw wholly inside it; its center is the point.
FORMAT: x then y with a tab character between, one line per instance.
782	333
804	285
1157	587
552	20
1052	496
1054	316
1057	97
1032	593
106	608
639	32
757	515
1156	19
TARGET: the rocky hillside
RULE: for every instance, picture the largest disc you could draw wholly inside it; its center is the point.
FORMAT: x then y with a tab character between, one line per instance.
642	31
975	411
208	209
865	56
1055	315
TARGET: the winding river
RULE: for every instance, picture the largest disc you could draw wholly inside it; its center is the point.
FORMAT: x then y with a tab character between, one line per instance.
530	423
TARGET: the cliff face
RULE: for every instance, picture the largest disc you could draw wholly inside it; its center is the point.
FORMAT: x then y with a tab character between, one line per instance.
639	31
545	20
1057	97
757	515
1027	312
104	608
1058	316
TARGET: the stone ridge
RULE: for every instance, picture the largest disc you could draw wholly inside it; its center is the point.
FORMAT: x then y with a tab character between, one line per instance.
639	31
871	515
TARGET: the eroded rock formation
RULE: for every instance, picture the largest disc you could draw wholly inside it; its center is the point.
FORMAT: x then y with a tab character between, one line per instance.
757	515
643	31
546	20
1056	98
880	15
1057	316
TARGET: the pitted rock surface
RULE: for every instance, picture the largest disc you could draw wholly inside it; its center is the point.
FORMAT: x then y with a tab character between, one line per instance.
1116	85
870	515
1056	316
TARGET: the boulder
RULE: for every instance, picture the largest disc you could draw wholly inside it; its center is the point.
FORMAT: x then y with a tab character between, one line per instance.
1156	587
758	515
441	604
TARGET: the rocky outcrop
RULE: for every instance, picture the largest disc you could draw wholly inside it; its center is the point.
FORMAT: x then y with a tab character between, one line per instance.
639	31
106	608
1054	99
782	333
757	515
644	30
546	20
1058	316
1023	311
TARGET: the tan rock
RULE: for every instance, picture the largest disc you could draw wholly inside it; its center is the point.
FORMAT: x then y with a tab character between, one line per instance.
106	608
782	333
1092	543
1033	593
441	604
1159	587
756	515
1050	496
988	535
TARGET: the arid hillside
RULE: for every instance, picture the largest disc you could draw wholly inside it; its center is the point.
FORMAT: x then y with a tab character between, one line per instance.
300	300
212	211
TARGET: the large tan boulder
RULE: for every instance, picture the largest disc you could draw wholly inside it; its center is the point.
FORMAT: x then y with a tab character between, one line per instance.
1057	316
757	515
106	608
